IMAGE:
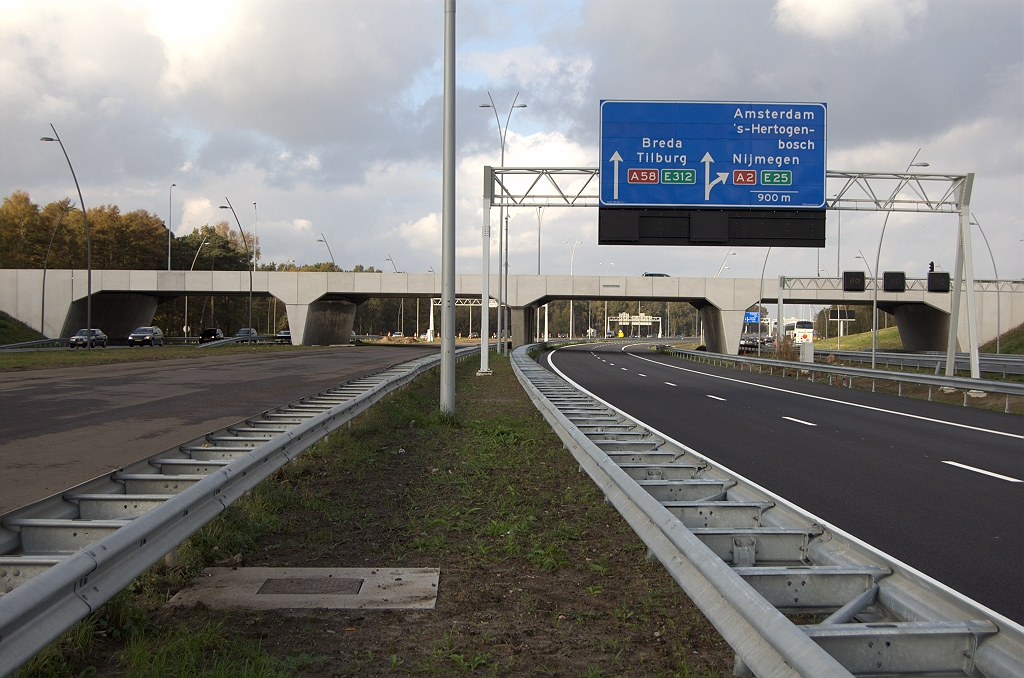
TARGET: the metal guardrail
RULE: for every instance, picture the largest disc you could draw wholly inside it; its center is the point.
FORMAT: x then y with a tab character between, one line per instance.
747	558
964	384
37	343
990	362
65	556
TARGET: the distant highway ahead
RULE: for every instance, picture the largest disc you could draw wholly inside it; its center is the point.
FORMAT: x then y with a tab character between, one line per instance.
936	486
61	427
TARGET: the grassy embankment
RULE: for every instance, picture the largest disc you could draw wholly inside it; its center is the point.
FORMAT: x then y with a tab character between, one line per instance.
888	339
538	575
14	331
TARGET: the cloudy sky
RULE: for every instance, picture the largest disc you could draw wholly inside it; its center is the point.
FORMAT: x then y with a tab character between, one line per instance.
328	115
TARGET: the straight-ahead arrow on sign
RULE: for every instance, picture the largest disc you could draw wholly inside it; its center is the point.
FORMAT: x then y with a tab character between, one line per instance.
616	158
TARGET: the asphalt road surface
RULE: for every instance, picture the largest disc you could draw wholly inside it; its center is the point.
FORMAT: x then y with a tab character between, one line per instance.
874	465
62	427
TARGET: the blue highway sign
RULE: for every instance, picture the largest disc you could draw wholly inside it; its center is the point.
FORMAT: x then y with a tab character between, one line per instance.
751	317
712	154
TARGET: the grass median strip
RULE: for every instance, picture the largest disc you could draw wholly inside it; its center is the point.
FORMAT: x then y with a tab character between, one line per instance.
538	575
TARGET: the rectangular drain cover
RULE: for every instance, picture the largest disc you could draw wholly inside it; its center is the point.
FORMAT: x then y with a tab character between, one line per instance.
311	585
279	588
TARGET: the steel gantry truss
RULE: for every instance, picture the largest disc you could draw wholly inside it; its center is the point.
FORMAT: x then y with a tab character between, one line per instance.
856	191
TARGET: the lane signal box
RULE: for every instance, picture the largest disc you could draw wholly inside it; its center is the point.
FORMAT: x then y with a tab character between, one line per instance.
894	281
854	281
938	282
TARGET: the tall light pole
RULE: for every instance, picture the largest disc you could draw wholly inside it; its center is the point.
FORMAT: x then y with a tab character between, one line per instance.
323	239
248	253
607	267
502	268
401	309
721	268
191	268
169	219
88	240
447	390
572	255
255	235
995	271
878	255
42	311
760	295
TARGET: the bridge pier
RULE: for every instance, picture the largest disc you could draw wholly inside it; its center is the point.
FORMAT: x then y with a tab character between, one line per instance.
323	322
523	320
722	328
922	327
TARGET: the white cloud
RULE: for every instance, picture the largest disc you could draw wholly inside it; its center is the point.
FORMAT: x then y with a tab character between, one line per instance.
535	67
848	19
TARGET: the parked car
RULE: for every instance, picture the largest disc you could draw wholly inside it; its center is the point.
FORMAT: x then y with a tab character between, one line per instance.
210	334
88	337
153	336
283	337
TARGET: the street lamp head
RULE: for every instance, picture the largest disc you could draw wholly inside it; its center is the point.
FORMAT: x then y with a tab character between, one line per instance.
224	207
519	106
920	164
174	185
47	139
486	106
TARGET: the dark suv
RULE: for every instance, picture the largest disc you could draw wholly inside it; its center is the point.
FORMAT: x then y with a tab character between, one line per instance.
210	334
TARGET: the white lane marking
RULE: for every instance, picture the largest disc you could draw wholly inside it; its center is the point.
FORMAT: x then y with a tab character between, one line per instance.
830	400
640	375
624	369
715	397
669	383
979	470
889	560
800	421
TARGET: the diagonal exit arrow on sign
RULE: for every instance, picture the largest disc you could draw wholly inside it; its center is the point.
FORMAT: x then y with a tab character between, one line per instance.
616	158
708	184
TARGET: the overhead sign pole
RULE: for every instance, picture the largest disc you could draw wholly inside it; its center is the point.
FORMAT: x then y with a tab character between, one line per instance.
448	217
485	276
964	267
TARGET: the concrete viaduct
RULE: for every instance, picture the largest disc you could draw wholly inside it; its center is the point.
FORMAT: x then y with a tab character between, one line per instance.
321	306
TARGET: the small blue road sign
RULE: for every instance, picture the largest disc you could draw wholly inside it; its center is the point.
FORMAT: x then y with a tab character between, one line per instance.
751	317
712	154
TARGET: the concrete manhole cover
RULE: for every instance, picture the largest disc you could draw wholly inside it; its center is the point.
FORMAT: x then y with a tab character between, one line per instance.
278	588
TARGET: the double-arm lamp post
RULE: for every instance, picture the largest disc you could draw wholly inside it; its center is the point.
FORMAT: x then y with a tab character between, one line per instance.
248	254
88	240
502	260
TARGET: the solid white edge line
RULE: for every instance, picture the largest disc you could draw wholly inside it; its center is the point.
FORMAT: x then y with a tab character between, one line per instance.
800	421
669	383
995	616
983	471
817	397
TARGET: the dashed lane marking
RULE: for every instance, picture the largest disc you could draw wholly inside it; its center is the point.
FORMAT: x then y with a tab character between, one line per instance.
983	471
715	397
800	421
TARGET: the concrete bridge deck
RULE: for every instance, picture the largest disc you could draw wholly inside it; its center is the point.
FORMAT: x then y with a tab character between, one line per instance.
321	306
